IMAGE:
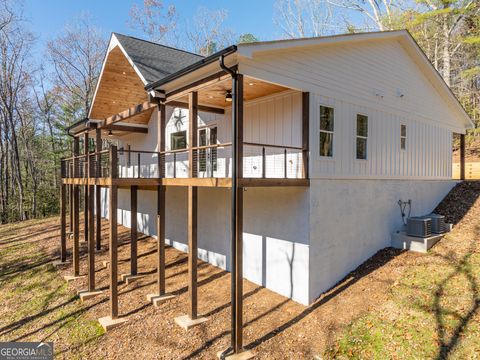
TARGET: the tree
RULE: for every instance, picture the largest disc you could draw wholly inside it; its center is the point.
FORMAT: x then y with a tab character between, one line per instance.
156	20
247	38
76	57
304	18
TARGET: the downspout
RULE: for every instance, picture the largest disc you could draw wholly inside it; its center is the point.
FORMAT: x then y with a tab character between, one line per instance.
233	226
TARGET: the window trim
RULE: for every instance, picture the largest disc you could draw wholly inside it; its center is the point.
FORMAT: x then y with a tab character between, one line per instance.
361	137
326	157
403	137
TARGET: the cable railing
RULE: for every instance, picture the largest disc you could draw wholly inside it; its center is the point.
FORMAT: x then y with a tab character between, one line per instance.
209	161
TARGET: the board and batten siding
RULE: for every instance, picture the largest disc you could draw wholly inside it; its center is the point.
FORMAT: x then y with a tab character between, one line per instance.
427	154
367	78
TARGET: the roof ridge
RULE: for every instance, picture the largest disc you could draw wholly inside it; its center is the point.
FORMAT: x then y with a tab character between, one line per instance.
154	43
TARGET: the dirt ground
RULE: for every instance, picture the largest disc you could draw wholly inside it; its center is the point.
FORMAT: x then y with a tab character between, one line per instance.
275	327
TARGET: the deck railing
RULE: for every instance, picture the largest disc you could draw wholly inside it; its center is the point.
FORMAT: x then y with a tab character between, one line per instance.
210	161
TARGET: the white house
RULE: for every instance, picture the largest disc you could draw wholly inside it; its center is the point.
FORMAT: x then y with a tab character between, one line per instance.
334	131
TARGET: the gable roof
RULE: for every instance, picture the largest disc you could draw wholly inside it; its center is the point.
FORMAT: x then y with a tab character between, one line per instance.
155	61
247	50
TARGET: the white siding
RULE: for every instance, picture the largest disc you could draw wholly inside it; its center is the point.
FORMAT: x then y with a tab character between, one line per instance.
348	79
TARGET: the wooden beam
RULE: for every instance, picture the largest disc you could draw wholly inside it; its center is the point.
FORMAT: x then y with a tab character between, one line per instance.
161	239
76	211
133	230
134	110
91	238
85	188
192	251
208	109
98	191
70	204
132	129
63	222
305	132
462	156
196	86
238	230
112	213
192	133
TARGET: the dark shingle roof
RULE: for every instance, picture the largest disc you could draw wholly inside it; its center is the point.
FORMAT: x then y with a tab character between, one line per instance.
155	61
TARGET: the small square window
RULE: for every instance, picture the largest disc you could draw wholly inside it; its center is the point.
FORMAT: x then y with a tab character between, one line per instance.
178	140
326	131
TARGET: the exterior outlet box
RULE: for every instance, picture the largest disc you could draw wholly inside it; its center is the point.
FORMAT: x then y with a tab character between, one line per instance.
420	226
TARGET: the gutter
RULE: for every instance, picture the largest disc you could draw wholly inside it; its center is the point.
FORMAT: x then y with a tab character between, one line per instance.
205	61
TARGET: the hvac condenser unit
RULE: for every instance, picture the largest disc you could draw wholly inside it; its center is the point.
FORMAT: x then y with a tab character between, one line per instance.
438	223
420	226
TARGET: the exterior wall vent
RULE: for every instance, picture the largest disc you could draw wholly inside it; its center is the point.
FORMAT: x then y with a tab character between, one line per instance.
420	226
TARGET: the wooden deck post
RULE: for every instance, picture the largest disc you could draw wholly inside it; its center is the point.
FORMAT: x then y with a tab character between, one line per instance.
462	156
85	188
98	189
237	219
63	223
161	239
70	205
305	131
133	230
192	204
112	213
76	211
91	229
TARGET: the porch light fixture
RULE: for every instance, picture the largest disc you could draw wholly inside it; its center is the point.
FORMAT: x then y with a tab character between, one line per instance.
228	96
110	133
251	83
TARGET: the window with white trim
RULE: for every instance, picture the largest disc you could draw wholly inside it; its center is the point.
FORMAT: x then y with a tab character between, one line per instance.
403	136
362	136
326	131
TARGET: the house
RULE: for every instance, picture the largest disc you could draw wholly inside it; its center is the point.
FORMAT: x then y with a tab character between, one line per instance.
281	161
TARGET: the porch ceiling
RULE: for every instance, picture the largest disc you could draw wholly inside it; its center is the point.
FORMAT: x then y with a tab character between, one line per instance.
214	95
119	87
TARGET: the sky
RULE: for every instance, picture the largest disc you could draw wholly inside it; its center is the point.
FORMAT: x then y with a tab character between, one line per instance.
47	18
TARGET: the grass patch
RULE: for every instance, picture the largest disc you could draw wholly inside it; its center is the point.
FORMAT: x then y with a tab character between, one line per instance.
37	303
432	312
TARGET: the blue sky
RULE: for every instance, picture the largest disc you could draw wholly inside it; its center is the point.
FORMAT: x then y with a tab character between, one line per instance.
47	18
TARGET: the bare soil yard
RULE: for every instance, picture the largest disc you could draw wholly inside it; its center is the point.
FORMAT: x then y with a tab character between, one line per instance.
394	306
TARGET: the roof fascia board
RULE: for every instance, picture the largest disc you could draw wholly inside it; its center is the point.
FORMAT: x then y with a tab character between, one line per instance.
247	50
130	61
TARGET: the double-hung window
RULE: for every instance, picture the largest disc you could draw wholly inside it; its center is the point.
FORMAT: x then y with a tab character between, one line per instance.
326	131
362	136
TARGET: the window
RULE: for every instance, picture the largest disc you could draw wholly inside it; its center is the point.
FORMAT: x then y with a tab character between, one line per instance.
178	140
326	131
362	135
403	137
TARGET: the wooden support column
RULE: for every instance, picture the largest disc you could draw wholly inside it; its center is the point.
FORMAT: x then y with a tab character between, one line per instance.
85	188
76	211
462	156
192	251
112	213
98	189
237	222
161	239
305	132
192	204
91	231
63	223
133	230
70	204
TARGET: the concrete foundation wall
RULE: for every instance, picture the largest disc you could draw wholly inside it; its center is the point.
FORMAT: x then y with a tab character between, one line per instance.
350	220
276	231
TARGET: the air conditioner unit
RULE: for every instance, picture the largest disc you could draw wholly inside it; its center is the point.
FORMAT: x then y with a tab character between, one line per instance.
438	223
419	226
